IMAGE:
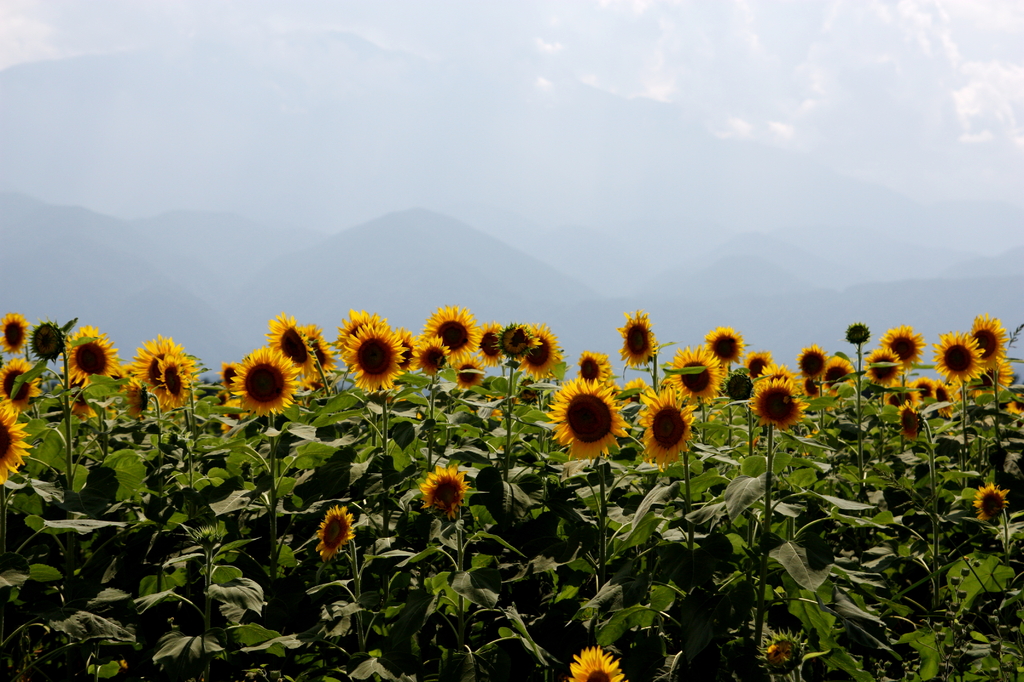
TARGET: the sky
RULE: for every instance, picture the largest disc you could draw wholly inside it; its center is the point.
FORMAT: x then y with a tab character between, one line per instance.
925	98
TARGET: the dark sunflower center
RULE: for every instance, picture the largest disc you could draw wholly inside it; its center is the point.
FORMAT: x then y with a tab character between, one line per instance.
5	440
598	676
756	367
986	342
779	653
696	382
446	493
516	341
91	358
589	418
435	358
468	377
14	334
925	391
405	357
172	380
332	532
992	503
489	344
810	387
154	370
883	373
941	395
637	340
9	380
45	341
229	375
321	356
539	355
374	356
834	374
908	420
958	358
778	405
668	427
903	348
725	347
293	346
589	369
812	365
454	335
263	384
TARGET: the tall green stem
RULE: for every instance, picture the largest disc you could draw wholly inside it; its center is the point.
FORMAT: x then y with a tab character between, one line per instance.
357	582
207	610
460	562
602	527
860	422
509	392
966	457
936	583
273	500
688	501
433	424
766	528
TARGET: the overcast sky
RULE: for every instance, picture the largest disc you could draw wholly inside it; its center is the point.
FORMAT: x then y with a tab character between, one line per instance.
922	97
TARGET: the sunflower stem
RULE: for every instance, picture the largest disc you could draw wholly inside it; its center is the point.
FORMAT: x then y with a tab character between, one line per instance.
603	522
966	456
860	422
995	400
3	545
357	581
688	501
273	499
766	529
207	607
430	434
936	584
509	391
654	371
69	451
460	540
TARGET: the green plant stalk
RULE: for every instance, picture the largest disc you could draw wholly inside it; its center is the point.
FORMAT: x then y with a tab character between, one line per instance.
750	432
69	452
460	560
766	528
602	526
860	422
966	454
509	391
195	436
273	500
207	607
319	369
430	435
936	582
995	400
654	371
688	501
357	582
3	546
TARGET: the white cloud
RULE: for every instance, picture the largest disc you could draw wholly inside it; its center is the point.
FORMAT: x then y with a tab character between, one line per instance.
544	84
783	131
983	136
736	128
993	98
549	48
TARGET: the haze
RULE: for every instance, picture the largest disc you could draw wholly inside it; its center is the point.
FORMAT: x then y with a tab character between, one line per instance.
676	156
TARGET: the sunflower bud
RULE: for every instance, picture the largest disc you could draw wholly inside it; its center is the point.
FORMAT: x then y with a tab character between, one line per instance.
739	386
783	653
47	341
858	334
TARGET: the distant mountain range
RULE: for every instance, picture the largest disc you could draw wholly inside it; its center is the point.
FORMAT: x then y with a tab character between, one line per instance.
213	280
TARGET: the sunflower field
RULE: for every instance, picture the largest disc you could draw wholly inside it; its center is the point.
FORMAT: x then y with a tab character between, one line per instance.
468	504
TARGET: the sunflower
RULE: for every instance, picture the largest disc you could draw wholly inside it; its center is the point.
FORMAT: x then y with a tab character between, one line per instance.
1003	373
587	418
897	399
638	341
811	387
639	384
738	385
93	357
726	344
539	360
595	367
47	341
355	321
782	653
668	426
925	388
490	344
10	372
12	441
335	531
456	329
902	341
957	357
989	501
405	338
136	397
811	362
943	395
703	385
445	489
774	371
430	355
176	375
319	349
146	365
756	361
885	375
516	340
266	382
15	331
858	334
374	353
835	369
775	402
910	422
228	372
284	335
469	373
991	338
594	665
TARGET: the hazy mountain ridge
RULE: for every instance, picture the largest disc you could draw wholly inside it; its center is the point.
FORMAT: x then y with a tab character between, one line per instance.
64	262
